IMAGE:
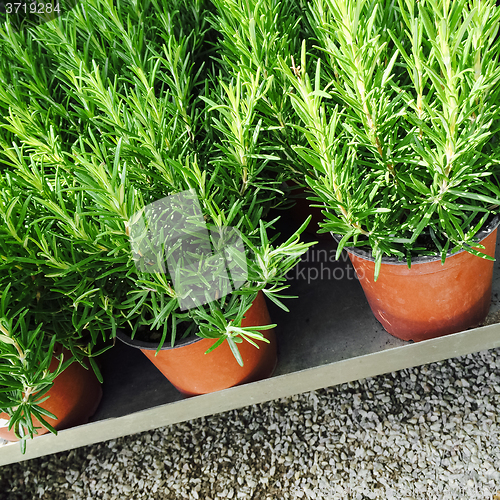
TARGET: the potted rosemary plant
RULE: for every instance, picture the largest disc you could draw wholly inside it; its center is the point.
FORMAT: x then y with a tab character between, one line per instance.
401	118
43	387
46	381
115	137
253	35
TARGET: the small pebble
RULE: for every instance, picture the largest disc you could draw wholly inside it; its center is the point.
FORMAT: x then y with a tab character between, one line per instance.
418	434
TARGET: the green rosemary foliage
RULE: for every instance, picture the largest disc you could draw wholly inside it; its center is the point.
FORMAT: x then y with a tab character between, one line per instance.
126	129
253	34
405	165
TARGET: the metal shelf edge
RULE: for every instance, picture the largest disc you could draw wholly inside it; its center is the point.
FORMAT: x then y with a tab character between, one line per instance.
309	379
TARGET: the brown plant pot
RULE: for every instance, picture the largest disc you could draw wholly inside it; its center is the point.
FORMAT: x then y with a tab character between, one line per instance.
430	299
193	372
302	209
74	398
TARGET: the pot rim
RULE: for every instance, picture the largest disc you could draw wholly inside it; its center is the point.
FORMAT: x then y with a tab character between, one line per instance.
153	346
422	259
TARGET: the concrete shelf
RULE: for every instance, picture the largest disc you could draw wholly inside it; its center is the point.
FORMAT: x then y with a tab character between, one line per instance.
329	337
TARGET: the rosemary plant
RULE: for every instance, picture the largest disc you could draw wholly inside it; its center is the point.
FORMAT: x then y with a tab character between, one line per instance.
401	120
250	105
34	316
94	136
25	356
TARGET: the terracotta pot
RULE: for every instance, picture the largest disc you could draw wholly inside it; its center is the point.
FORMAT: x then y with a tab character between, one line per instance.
193	372
302	209
74	398
430	299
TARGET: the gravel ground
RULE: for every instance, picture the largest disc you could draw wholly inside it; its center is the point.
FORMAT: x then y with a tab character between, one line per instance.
425	433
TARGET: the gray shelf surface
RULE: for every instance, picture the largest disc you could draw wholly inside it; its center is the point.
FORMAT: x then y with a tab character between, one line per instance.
329	337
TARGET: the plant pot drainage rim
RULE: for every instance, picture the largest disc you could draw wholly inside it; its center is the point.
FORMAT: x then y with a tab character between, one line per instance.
153	346
358	252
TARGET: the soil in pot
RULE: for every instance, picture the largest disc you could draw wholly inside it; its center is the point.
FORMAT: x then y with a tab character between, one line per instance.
430	299
74	398
193	372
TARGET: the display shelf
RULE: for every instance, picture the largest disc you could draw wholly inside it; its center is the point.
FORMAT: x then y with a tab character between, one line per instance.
329	337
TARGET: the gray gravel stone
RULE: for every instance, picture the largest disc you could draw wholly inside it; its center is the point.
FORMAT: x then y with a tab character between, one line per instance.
426	433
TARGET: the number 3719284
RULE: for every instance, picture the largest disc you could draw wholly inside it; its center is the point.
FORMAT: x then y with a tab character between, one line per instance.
31	8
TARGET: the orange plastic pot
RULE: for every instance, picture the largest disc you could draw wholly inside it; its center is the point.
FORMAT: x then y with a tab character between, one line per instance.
429	299
74	398
302	209
193	372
